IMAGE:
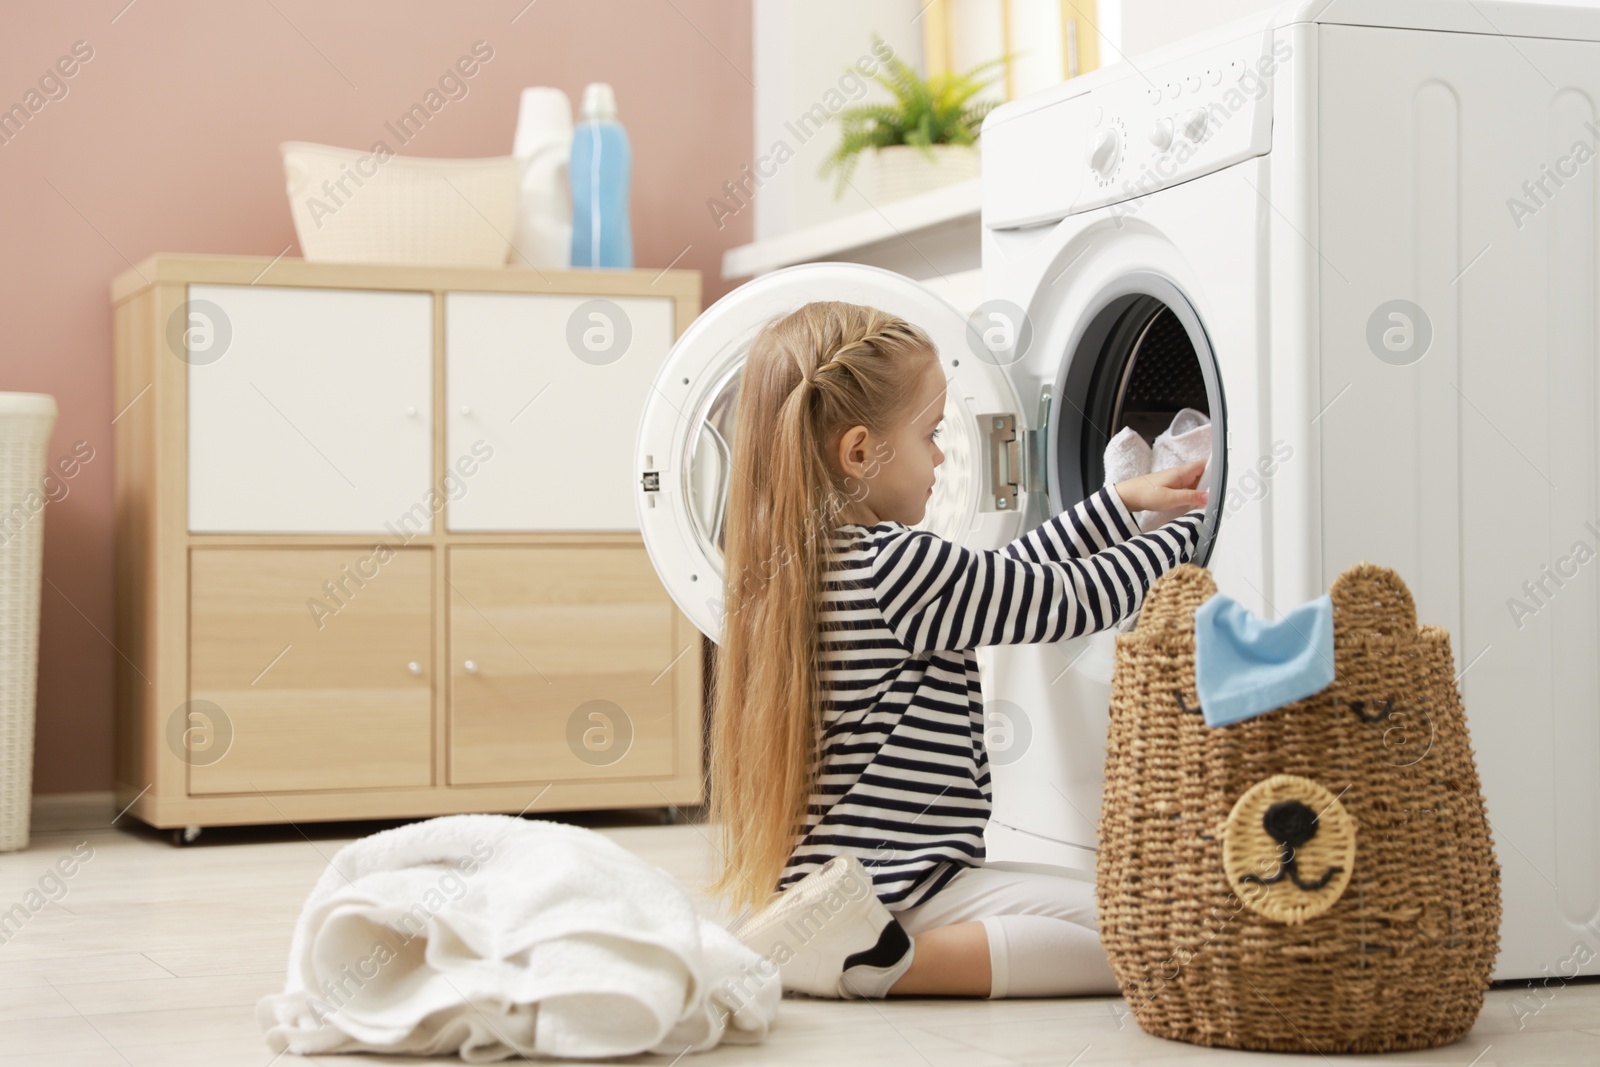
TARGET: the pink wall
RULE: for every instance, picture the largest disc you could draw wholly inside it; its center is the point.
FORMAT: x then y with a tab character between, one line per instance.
166	141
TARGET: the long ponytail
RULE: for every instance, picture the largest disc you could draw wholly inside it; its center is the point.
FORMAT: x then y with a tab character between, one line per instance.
809	375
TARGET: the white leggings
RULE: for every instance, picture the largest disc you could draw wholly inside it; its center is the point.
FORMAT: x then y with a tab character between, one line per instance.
1041	925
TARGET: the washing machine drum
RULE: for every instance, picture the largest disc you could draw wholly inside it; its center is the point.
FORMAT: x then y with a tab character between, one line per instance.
1138	359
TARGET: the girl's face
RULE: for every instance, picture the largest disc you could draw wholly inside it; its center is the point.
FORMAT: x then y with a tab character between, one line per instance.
890	477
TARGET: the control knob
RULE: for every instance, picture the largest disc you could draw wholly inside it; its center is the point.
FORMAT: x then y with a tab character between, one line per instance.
1161	134
1104	148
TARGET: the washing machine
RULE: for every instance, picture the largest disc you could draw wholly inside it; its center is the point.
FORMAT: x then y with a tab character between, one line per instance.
1361	236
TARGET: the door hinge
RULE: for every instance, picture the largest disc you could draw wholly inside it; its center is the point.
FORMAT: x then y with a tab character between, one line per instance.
1017	457
1006	452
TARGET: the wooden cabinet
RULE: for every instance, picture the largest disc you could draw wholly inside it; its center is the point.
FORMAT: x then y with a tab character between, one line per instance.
376	547
315	693
318	404
560	665
555	384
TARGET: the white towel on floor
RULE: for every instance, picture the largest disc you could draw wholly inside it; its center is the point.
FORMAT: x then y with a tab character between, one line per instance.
490	936
1187	439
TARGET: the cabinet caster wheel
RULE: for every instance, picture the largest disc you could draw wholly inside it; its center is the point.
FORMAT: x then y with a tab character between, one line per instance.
186	835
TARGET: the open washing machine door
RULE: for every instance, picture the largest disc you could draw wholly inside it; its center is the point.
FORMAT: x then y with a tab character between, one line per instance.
683	455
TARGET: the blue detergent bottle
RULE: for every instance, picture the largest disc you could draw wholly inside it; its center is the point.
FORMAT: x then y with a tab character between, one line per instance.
601	167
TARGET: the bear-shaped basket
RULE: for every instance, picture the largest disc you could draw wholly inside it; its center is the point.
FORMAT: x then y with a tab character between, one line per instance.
1316	878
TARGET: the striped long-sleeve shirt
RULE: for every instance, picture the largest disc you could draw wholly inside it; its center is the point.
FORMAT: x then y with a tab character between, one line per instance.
904	773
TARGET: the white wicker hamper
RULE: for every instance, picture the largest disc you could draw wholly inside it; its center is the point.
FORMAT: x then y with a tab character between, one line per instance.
400	209
26	420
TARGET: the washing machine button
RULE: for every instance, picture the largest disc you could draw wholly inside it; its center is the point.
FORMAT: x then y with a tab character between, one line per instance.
1103	152
1194	124
1161	134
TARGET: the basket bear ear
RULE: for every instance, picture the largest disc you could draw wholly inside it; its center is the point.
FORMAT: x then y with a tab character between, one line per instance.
1369	599
1171	602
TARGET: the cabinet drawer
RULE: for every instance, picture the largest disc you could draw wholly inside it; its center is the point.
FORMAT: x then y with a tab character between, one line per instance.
310	411
561	426
320	661
561	665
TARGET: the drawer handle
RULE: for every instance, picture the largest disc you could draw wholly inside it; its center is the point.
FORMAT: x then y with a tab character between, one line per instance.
414	667
411	411
470	666
465	410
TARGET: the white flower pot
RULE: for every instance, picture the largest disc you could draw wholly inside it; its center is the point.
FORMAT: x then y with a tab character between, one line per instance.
904	170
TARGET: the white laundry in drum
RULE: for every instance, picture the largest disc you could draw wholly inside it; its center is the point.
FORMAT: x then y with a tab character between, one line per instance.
1128	455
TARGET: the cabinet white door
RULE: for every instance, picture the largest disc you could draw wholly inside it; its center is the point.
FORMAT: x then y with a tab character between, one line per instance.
550	389
310	410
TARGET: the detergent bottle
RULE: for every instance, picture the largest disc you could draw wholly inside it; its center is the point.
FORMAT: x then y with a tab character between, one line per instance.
600	170
544	207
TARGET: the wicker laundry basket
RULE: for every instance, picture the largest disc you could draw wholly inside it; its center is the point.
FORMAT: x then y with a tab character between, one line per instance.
360	207
1369	924
26	420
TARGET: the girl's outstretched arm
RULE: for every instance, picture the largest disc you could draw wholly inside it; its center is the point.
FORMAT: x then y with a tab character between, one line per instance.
1096	522
1106	518
938	595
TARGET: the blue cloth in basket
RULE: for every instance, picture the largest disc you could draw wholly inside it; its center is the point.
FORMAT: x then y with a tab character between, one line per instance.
1245	665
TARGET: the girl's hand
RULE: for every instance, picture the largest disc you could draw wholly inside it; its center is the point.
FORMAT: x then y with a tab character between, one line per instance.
1165	490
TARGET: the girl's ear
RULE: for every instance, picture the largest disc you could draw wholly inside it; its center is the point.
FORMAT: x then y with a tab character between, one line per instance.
853	452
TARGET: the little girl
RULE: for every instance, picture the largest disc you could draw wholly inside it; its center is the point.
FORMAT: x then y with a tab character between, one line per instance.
848	765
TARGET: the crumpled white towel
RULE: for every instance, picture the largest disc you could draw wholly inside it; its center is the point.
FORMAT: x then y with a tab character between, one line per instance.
1187	439
491	936
1128	455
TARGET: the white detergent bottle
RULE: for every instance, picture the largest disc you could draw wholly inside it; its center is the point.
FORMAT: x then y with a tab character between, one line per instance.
543	145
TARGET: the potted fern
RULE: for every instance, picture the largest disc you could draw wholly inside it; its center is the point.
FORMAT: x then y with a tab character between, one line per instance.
925	138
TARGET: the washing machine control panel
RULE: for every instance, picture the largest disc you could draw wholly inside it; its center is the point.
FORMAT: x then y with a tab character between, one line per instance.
1132	132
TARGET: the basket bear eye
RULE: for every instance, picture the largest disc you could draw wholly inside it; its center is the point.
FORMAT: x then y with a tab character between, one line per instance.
1408	731
1370	710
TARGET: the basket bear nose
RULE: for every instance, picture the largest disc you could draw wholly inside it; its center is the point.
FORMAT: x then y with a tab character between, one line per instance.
1290	822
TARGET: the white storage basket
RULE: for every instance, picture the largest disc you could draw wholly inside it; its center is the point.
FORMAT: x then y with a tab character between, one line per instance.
901	170
355	207
26	420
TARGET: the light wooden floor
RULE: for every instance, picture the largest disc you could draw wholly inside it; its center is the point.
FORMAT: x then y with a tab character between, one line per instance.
156	956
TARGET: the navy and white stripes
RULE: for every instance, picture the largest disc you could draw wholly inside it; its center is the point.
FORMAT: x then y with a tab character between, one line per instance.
904	780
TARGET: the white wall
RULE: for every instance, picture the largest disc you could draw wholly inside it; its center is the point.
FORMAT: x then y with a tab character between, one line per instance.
1147	24
801	50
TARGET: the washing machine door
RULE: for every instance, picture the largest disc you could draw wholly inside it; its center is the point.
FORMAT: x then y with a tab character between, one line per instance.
684	450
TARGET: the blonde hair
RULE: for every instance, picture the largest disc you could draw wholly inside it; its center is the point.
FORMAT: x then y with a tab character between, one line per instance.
810	375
